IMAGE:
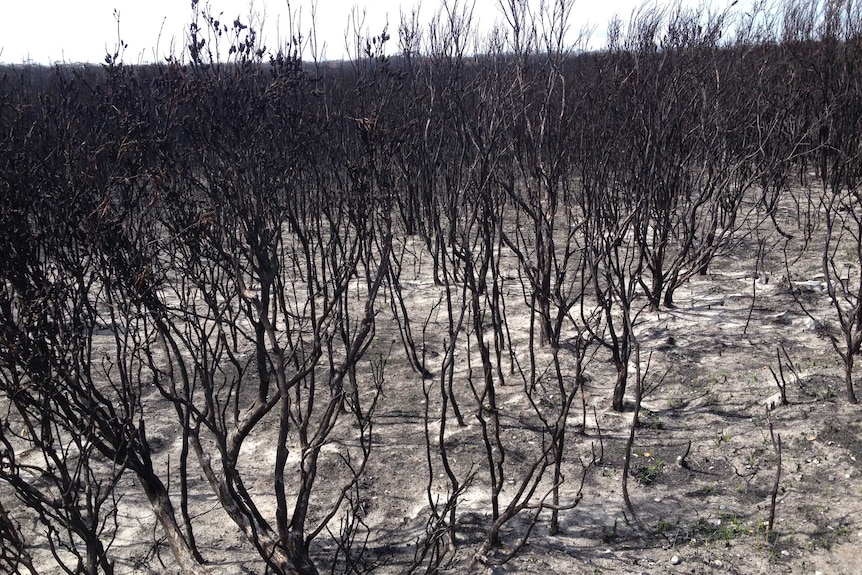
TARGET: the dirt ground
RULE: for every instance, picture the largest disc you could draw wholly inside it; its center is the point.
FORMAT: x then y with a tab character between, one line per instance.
700	509
710	367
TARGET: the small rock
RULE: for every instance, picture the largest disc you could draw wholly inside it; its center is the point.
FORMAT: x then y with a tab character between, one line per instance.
675	560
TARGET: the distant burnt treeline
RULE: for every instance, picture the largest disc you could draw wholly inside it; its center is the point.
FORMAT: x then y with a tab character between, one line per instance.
785	103
672	108
219	236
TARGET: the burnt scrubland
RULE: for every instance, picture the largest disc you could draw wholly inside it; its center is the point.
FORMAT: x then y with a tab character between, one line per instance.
463	303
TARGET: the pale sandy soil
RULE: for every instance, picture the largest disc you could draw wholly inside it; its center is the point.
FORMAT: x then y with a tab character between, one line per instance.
713	352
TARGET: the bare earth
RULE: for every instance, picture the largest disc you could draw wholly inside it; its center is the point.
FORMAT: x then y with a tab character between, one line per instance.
709	383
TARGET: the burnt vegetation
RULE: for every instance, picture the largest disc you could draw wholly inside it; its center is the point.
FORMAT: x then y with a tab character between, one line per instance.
227	238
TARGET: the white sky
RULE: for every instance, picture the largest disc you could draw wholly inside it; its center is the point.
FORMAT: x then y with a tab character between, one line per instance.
48	31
